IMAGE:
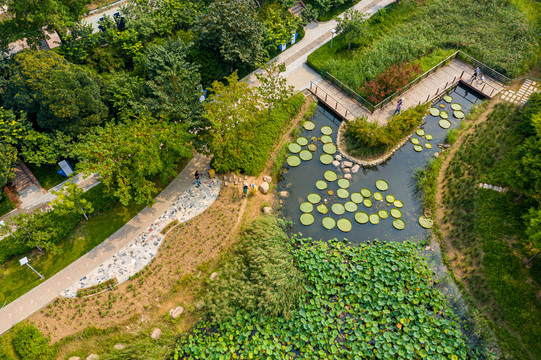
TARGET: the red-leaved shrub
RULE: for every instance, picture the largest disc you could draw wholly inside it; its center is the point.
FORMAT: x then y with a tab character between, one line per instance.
389	81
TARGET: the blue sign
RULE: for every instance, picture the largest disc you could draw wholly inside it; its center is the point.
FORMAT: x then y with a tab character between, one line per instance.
203	97
65	168
294	38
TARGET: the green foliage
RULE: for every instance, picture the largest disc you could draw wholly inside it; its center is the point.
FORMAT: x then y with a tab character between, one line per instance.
71	199
359	302
5	204
40	148
452	136
365	138
62	96
280	24
260	278
533	226
273	88
352	25
427	180
30	344
8	160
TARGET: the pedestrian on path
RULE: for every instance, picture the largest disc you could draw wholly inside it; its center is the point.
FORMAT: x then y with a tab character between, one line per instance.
197	175
245	189
398	107
476	73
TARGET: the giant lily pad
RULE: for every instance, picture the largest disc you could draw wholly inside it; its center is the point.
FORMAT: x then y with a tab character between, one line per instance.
338	208
326	130
366	192
434	111
396	213
361	217
322	209
390	198
307	219
399	224
428	145
312	147
309	125
418	148
328	223
374	219
326	139
344	225
330	175
342	193
420	132
350	206
398	204
456	106
306	155
415	141
326	159
444	115
367	202
329	148
445	124
302	141
306	207
343	183
314	198
384	214
357	198
426	222
447	98
428	137
381	184
442	105
321	185
294	148
293	160
458	114
378	196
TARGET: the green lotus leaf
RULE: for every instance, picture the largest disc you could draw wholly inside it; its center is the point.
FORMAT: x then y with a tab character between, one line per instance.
426	222
434	111
367	202
326	159
384	214
428	145
428	137
374	219
378	196
306	155
307	219
357	198
294	148
322	209
306	207
330	175
302	141
325	139
418	148
458	114
344	225
329	148
366	192
390	198
398	204
396	213
415	141
456	106
328	223
312	147
343	183
442	105
309	125
399	224
350	206
381	185
338	208
326	130
293	160
361	217
447	98
444	115
342	193
444	124
321	185
314	198
420	132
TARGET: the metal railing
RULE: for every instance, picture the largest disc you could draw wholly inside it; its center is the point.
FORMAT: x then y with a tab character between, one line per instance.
331	102
348	91
484	68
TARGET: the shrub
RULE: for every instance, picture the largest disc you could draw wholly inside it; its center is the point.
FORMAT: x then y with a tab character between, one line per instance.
452	136
5	204
29	343
389	81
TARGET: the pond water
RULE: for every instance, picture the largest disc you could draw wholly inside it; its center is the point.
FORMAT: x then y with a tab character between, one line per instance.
398	172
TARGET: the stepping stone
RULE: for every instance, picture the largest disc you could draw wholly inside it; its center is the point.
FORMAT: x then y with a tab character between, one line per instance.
355	168
74	358
267	179
264	187
93	357
119	346
155	334
176	312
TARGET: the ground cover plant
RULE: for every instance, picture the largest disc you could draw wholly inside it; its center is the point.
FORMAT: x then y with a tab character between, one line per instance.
358	302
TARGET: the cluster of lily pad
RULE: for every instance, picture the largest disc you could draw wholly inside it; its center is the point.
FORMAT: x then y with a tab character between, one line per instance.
444	115
417	146
311	145
369	302
364	197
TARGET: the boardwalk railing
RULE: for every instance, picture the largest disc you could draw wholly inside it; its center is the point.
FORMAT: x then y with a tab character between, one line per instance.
331	102
457	54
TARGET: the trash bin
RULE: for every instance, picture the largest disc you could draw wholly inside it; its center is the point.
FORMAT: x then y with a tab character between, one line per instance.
212	173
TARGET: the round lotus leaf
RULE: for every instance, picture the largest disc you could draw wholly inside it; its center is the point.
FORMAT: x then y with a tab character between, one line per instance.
321	185
382	185
420	132
306	207
447	99
314	198
361	217
338	208
458	114
378	196
330	175
329	148
313	138
328	223
418	148
384	214
294	148
312	147
456	106
357	198
434	111
428	137
302	141
444	115
445	124
350	206
367	202
415	141
425	222
396	213
374	219
309	125
390	198
326	139
342	193
398	204
399	224
366	192
306	155
344	225
322	209
307	219
326	130
293	160
428	145
326	159
343	183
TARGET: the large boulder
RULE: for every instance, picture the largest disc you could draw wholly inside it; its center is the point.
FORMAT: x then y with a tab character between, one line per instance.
355	168
176	312
284	194
264	187
347	164
267	210
338	157
336	163
267	178
156	334
347	176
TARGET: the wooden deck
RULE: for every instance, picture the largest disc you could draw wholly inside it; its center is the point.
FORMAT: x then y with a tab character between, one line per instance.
426	90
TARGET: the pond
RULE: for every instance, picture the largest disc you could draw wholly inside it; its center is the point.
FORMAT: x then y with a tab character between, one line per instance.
376	210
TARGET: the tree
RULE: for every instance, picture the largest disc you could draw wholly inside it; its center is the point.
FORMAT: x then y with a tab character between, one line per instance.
70	199
61	95
34	229
533	231
128	155
8	160
45	148
280	24
352	25
231	28
11	131
273	87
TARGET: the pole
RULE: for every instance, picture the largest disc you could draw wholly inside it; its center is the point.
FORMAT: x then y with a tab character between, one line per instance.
332	36
40	276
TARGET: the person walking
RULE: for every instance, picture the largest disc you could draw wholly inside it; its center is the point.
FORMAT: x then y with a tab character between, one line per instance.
197	176
245	189
475	75
398	107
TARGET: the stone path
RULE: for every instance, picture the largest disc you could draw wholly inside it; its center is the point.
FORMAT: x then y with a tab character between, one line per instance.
499	189
527	88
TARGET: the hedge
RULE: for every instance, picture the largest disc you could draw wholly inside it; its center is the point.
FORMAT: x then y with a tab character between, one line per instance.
29	343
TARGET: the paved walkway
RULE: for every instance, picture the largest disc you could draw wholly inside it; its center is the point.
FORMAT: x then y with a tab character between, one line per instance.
43	294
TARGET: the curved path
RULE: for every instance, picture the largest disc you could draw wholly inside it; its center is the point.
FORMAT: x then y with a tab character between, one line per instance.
43	294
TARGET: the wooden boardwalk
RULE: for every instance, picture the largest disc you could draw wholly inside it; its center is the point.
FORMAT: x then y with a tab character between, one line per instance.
426	90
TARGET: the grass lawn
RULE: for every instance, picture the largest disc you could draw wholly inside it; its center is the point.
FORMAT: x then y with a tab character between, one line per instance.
47	175
15	280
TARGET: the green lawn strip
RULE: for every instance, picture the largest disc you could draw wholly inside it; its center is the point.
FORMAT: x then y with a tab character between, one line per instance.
47	175
16	280
5	204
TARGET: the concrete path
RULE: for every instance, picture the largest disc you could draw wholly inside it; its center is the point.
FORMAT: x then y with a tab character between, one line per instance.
43	294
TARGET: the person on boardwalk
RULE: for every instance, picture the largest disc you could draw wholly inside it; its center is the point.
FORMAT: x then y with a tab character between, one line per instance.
476	73
398	107
197	176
